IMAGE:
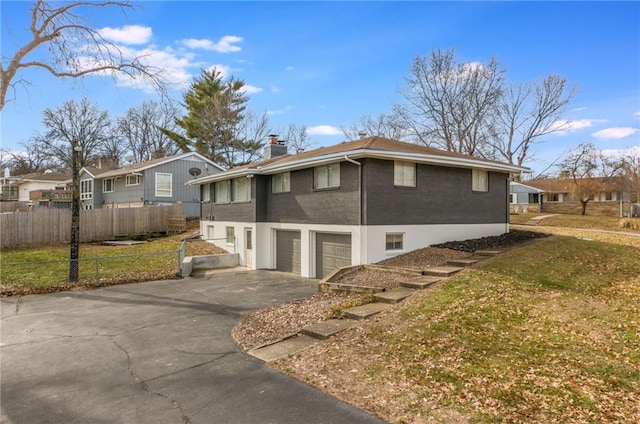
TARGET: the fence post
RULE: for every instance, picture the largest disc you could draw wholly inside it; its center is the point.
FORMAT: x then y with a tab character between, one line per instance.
97	272
182	252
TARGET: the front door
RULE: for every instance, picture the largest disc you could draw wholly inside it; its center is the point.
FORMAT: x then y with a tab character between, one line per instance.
248	247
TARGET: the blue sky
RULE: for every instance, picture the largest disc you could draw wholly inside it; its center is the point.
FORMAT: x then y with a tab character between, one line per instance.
325	64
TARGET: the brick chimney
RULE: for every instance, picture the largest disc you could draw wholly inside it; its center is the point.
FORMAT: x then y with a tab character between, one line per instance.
275	147
107	163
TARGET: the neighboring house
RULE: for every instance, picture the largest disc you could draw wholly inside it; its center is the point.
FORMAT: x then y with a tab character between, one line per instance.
159	181
19	187
611	199
357	202
524	198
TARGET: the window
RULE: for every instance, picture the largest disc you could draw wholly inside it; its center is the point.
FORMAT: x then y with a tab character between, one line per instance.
132	180
86	189
394	241
163	184
231	235
513	198
206	192
107	185
534	198
480	180
404	174
281	183
553	197
327	176
241	189
608	195
221	192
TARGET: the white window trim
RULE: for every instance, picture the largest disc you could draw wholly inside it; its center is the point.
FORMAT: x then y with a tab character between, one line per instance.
132	175
278	187
328	167
234	194
160	193
86	195
401	249
216	198
476	180
399	181
104	185
233	230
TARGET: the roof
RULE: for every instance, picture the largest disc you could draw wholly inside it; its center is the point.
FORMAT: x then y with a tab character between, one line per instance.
526	187
566	185
139	167
40	177
370	147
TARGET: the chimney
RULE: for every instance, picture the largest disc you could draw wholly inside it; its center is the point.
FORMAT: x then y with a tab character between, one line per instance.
107	163
362	134
159	154
275	147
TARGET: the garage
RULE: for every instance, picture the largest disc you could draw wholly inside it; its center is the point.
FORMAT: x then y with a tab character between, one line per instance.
288	251
332	251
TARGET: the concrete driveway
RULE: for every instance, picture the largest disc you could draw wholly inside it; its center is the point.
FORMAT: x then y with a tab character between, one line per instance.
158	352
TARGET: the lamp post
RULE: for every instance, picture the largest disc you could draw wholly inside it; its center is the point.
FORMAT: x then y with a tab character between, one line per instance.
74	251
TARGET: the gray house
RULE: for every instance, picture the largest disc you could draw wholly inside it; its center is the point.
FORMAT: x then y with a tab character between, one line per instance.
356	202
159	181
524	198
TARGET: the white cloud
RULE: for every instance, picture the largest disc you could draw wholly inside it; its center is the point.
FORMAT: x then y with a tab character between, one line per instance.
251	89
226	44
275	89
324	130
564	126
128	34
633	151
280	111
289	68
637	114
614	133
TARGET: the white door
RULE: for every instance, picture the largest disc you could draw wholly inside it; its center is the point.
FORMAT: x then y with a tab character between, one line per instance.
248	247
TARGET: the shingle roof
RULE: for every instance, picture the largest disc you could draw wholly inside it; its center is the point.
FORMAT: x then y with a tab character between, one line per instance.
38	176
566	185
379	147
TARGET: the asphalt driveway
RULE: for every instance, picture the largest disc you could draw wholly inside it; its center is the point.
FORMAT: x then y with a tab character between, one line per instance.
158	352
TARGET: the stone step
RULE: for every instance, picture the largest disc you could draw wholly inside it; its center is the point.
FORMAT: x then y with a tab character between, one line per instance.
394	295
325	329
462	262
283	348
420	282
442	271
365	311
487	252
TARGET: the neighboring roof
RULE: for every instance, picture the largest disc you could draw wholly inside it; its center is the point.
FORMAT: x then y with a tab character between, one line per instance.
370	147
40	177
566	185
139	167
525	187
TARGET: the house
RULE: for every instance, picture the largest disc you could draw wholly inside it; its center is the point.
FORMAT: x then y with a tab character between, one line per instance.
524	198
160	181
609	197
356	202
19	187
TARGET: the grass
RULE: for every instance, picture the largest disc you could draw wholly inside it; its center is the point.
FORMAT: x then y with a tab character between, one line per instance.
608	223
46	269
544	333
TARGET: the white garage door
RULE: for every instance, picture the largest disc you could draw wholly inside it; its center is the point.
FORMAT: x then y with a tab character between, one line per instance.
332	251
288	251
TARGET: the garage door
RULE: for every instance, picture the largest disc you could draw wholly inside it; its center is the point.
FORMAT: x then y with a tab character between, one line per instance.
288	251
332	251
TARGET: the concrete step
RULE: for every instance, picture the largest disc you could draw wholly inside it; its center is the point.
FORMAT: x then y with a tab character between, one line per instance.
325	329
487	252
394	295
365	311
283	348
442	271
420	282
462	262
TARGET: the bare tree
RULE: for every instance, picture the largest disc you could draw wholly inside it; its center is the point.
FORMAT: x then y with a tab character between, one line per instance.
249	133
527	112
631	174
590	171
75	122
140	129
383	125
450	104
31	158
73	48
297	138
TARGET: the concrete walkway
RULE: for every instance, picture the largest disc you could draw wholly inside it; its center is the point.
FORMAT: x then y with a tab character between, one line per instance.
158	352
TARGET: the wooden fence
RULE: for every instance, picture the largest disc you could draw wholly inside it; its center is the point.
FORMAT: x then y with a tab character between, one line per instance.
44	226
